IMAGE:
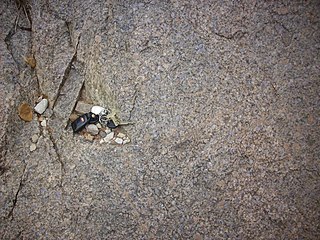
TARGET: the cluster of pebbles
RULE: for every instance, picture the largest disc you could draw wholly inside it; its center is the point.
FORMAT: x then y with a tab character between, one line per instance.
93	132
40	108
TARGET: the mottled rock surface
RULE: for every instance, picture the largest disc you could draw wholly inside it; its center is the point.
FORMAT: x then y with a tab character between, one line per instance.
225	100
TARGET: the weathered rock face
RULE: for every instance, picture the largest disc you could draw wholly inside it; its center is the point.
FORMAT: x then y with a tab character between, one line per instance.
225	101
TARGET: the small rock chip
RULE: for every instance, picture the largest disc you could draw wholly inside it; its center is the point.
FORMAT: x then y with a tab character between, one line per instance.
109	137
99	125
119	140
83	107
44	123
121	135
107	131
25	112
126	140
33	147
41	106
34	138
92	129
88	137
102	134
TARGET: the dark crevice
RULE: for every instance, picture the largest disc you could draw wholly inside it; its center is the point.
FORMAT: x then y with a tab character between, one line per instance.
15	200
7	40
77	99
66	73
135	95
59	158
236	35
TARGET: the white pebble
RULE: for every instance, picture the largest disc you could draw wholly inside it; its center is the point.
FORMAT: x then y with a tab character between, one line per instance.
34	138
107	131
33	147
44	123
99	125
41	106
127	140
119	140
109	137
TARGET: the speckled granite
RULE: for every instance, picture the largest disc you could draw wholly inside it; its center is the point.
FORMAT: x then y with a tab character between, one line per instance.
225	100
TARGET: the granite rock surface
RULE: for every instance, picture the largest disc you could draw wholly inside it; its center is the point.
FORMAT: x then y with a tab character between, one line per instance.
225	100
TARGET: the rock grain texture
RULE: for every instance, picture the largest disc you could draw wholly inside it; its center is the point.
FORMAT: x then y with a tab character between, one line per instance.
225	100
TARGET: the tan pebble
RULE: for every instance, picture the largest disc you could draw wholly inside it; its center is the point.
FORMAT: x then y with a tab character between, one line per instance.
73	117
121	135
25	112
41	118
119	140
33	147
88	136
127	140
107	130
99	125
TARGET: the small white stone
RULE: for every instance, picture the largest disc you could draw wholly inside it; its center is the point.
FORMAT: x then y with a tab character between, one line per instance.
92	129
97	110
44	123
34	138
121	135
127	140
107	131
109	137
102	141
119	140
33	147
41	106
99	125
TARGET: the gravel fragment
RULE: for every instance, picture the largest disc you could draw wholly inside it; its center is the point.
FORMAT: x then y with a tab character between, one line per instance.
107	131
41	106
33	147
119	140
92	129
109	137
121	135
126	140
34	138
102	134
99	125
83	107
44	123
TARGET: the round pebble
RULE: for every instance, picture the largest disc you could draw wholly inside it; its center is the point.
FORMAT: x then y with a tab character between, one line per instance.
92	129
33	147
34	138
